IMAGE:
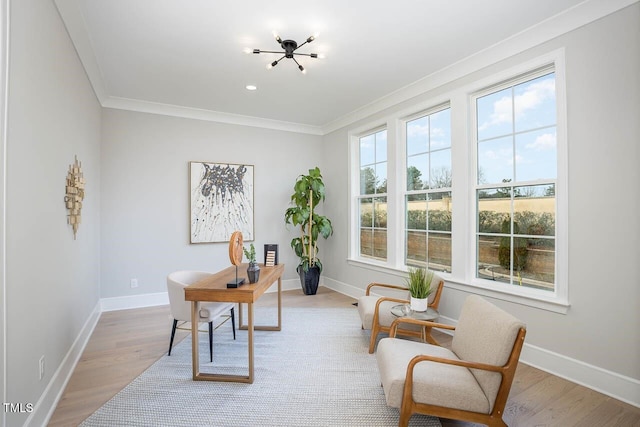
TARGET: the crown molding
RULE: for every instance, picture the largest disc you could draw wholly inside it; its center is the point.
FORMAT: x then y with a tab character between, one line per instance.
207	115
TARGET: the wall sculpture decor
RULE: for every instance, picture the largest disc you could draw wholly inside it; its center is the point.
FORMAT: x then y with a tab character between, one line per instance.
221	201
74	194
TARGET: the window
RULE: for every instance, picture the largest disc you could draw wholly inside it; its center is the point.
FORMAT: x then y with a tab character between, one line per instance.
515	182
372	199
427	197
471	183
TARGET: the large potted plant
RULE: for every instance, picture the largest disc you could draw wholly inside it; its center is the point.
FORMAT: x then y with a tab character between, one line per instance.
309	191
419	284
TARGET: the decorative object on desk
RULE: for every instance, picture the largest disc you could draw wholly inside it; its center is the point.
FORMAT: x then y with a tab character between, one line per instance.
419	284
270	255
235	256
74	195
221	201
253	271
309	191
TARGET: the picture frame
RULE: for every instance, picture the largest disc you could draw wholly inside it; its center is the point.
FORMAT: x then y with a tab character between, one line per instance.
221	197
270	255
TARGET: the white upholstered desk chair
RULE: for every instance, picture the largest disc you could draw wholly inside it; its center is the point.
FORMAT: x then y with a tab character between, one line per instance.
181	309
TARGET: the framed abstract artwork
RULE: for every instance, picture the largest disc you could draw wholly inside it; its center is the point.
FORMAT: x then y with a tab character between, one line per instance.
221	201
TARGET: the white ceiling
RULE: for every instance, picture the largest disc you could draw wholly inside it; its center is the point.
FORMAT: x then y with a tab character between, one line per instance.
186	57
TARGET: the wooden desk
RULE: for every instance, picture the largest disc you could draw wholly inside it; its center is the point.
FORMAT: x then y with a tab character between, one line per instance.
214	288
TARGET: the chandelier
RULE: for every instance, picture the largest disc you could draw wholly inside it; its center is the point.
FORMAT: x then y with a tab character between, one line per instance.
289	51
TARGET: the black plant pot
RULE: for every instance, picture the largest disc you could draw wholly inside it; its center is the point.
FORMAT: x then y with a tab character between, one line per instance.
253	272
309	280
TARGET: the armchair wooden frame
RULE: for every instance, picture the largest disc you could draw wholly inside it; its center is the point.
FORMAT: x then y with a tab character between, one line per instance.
508	371
376	327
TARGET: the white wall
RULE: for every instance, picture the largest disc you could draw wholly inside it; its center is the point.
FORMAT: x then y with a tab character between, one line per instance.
52	280
601	330
145	198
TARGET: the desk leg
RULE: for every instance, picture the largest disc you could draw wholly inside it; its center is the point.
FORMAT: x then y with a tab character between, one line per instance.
195	360
277	327
279	303
250	343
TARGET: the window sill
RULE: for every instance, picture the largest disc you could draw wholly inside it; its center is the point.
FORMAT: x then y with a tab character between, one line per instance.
548	303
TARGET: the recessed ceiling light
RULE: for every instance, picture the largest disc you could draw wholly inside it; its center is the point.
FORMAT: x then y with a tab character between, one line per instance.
251	87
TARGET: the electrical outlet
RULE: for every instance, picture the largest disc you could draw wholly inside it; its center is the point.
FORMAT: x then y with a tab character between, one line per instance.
134	283
41	367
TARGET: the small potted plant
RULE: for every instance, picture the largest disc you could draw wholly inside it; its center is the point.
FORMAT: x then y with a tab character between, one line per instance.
253	271
419	284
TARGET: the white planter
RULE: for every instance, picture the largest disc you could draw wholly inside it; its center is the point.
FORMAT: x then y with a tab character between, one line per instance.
419	304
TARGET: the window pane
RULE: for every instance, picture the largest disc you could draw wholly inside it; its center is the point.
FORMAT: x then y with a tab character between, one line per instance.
416	211
495	160
366	242
487	250
416	254
535	103
534	210
536	155
495	114
417	172
440	176
381	146
418	136
439	251
439	214
366	212
380	212
494	207
440	129
368	180
381	177
380	244
367	150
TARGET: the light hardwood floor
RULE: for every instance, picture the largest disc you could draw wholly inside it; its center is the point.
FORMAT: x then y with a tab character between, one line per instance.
125	343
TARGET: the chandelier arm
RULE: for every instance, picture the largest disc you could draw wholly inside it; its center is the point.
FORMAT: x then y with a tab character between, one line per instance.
269	51
313	55
300	46
308	40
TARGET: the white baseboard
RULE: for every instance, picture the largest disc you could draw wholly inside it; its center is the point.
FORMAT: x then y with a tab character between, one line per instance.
46	405
162	298
134	301
343	288
612	384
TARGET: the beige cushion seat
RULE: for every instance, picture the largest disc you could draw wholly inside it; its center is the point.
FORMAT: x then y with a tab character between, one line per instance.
470	381
443	385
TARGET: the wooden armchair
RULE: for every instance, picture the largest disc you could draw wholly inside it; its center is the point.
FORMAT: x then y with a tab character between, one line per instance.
470	382
375	311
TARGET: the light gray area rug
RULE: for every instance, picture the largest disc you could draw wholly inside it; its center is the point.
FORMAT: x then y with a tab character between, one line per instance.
315	372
